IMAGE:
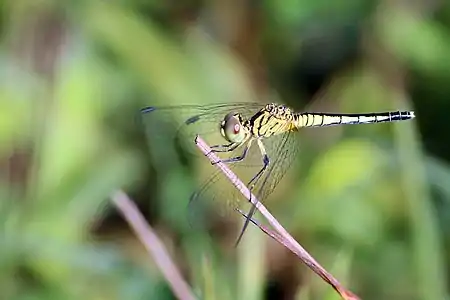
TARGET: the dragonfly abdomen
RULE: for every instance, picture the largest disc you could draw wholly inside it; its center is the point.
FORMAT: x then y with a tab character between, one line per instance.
324	119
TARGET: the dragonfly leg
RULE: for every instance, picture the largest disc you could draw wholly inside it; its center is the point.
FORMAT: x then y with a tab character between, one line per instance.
245	216
240	157
251	185
224	148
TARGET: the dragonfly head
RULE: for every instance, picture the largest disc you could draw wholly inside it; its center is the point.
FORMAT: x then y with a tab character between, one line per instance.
232	129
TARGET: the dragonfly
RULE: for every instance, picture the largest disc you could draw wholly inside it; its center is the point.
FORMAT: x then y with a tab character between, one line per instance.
259	140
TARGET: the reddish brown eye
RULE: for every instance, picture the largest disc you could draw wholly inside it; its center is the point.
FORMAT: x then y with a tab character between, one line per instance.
237	128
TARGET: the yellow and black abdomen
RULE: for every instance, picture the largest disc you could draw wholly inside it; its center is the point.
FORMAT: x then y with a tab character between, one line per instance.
324	119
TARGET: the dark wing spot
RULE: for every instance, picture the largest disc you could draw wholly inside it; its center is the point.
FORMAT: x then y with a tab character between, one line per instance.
148	109
192	119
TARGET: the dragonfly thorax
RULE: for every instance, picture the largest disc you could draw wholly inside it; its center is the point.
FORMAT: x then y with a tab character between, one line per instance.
272	119
279	111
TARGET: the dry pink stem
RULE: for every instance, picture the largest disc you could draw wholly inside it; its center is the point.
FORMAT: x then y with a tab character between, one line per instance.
153	245
281	235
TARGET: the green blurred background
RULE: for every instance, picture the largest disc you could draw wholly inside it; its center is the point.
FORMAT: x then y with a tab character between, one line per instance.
370	202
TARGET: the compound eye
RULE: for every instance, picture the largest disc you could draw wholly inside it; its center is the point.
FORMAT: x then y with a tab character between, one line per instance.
232	129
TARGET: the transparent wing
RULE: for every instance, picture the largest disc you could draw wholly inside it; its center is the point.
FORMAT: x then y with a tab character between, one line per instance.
177	126
182	123
217	197
286	153
282	151
217	191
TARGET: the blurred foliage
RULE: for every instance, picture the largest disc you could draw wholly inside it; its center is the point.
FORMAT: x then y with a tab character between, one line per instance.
370	202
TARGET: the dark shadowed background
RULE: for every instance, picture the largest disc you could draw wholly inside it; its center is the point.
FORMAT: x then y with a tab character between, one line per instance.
371	203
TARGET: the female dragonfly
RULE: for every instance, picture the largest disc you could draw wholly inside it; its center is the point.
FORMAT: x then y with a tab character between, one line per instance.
259	139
